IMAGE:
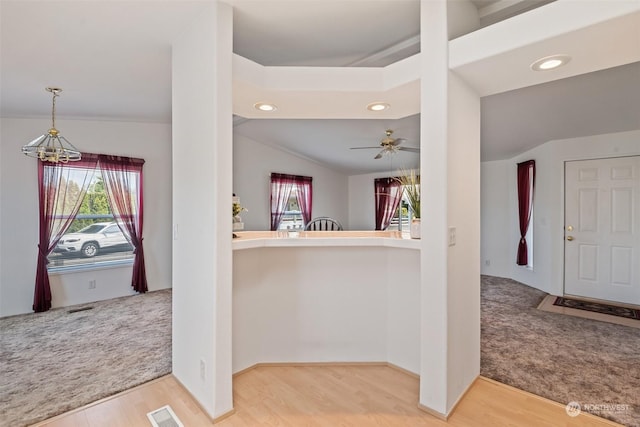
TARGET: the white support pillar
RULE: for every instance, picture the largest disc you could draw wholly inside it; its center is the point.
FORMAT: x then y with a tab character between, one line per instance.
463	258
433	170
202	171
450	171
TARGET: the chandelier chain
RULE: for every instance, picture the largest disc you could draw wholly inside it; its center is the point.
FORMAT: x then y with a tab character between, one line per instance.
53	110
56	93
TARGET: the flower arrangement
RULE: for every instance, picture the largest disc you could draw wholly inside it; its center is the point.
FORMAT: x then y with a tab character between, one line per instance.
410	182
237	209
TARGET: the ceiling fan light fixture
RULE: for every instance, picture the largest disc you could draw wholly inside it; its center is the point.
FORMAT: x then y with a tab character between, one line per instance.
378	106
51	146
265	106
550	62
389	146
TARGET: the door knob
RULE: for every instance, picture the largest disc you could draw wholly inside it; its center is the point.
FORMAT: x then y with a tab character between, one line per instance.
569	238
570	228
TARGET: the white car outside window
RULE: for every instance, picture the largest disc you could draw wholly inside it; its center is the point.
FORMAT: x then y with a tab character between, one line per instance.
91	240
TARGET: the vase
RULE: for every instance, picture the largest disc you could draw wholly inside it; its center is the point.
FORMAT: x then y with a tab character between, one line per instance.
414	230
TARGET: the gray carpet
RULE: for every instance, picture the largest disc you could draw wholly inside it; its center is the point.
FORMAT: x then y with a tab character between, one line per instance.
56	361
560	357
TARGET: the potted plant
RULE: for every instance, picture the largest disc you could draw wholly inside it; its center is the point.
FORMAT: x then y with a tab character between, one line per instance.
237	210
410	182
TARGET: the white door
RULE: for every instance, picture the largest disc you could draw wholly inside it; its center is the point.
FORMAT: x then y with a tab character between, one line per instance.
602	229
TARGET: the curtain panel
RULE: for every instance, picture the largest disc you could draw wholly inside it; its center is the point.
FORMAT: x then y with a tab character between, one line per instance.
124	187
526	183
61	188
281	187
388	193
305	197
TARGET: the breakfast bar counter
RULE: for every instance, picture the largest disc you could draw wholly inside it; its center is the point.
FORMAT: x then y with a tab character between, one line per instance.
258	239
347	296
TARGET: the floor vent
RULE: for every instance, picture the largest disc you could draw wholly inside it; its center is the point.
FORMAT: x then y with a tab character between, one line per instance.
164	417
75	310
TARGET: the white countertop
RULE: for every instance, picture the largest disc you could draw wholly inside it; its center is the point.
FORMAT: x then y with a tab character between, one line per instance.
264	239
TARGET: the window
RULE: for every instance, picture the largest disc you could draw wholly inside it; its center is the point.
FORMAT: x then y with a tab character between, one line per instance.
93	238
291	201
62	190
292	218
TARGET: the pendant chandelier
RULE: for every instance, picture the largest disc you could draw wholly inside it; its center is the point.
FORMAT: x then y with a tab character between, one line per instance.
52	147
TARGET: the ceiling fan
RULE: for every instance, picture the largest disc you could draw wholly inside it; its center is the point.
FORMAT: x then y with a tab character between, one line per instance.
389	146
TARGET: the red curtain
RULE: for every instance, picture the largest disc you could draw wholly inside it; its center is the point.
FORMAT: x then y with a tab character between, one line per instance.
526	179
61	188
388	193
281	186
123	183
305	197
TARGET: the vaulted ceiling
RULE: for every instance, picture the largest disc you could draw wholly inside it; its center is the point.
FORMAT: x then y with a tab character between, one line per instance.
113	61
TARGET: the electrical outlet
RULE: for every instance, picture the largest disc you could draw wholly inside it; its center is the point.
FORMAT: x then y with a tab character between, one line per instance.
92	284
202	369
487	262
452	236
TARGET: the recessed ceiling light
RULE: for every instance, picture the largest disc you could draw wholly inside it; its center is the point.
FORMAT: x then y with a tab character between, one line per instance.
550	62
378	106
265	106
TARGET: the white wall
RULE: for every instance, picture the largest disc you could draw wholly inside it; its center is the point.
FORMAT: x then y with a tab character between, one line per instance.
202	257
1	216
19	201
253	163
495	219
403	308
309	305
463	258
326	304
548	216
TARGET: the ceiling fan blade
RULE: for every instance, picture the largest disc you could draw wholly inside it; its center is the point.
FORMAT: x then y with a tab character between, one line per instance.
411	149
398	141
379	155
363	148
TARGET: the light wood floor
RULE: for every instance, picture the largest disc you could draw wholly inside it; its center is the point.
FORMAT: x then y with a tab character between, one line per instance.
327	396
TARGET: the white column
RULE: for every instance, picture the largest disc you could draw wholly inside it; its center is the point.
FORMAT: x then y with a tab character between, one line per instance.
202	255
433	171
463	260
450	170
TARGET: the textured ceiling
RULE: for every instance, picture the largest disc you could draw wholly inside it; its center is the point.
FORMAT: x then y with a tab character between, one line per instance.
329	141
320	32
